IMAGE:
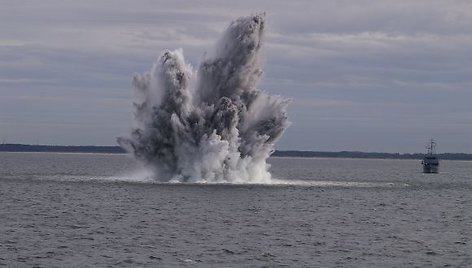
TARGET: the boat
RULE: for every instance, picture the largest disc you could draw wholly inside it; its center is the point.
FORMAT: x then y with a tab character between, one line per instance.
430	160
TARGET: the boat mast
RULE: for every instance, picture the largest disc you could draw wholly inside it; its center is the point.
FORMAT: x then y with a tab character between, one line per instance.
431	146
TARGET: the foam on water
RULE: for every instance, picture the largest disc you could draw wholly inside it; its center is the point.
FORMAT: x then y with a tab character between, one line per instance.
212	124
145	177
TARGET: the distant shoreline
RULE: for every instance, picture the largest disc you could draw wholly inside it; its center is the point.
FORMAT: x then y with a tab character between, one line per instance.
278	153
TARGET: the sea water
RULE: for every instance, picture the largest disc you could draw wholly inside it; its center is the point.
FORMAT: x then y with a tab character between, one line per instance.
98	210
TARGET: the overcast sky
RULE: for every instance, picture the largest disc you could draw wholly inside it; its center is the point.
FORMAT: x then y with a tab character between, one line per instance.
363	75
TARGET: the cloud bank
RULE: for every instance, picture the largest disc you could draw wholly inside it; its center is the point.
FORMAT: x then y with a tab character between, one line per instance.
369	75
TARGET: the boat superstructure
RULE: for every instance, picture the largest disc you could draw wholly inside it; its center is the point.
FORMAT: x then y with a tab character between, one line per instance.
430	160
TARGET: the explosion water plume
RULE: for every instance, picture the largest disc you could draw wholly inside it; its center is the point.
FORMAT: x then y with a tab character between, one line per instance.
213	124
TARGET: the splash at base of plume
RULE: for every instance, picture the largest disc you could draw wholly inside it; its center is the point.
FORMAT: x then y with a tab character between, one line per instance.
212	124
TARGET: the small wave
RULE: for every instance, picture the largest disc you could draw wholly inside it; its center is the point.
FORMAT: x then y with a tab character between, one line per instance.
347	184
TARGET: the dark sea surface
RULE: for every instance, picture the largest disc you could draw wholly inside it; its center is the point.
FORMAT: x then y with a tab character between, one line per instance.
92	210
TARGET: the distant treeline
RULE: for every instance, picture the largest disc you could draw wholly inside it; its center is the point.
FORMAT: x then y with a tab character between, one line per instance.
350	154
60	149
119	150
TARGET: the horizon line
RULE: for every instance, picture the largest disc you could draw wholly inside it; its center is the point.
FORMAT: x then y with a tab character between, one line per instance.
277	150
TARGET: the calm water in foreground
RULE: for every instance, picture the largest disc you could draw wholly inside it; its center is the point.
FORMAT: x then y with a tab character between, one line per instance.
86	210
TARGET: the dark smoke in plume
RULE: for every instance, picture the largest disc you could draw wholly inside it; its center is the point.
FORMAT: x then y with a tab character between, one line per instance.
213	124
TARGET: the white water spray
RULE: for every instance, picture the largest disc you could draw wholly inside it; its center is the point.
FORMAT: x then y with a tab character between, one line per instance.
209	125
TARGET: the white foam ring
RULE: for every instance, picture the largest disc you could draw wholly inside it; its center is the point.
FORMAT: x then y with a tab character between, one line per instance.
212	124
144	177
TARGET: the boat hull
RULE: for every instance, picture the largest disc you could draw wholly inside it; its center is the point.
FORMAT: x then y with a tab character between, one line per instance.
430	169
